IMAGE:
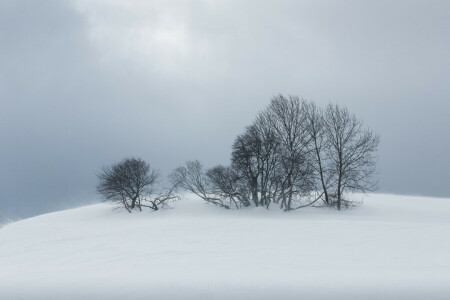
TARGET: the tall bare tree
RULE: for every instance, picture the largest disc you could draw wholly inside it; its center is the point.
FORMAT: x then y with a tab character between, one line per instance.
351	149
319	145
286	116
254	158
246	160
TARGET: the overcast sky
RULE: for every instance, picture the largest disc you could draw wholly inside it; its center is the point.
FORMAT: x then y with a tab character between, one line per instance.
85	83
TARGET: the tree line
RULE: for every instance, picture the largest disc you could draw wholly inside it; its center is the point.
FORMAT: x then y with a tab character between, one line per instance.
294	154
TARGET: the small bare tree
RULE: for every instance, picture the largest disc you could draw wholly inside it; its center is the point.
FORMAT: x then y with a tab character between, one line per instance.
129	182
161	199
227	184
351	150
191	177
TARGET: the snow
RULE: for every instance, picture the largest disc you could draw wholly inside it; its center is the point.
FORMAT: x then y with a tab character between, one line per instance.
392	247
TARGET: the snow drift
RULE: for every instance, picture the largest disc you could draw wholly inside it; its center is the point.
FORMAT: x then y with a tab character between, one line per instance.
392	247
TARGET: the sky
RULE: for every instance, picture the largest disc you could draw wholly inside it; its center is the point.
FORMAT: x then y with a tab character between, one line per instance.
85	83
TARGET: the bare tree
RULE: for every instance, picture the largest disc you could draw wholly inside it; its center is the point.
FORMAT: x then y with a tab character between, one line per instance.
246	160
286	116
351	150
254	159
319	146
129	182
161	199
226	183
272	155
191	177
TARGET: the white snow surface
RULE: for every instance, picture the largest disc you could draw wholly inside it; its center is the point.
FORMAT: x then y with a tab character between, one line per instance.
391	247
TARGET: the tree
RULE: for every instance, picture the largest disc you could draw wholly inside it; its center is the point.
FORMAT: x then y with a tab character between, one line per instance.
351	150
254	160
319	145
246	160
191	177
129	182
286	116
227	184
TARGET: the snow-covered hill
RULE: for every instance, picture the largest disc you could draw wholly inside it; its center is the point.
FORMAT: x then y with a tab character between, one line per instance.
393	247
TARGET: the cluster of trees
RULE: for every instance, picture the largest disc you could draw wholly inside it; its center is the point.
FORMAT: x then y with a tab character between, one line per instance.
294	154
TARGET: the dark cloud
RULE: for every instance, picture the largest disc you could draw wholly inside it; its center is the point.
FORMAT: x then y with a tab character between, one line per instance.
85	83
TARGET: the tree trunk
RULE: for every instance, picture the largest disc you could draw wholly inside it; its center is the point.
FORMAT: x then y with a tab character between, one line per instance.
322	180
325	192
283	199
255	191
339	192
340	180
288	205
133	202
339	197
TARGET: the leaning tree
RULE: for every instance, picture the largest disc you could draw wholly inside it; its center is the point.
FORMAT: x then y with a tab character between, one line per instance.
192	177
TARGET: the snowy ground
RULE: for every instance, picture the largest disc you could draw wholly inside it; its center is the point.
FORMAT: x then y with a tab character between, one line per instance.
393	247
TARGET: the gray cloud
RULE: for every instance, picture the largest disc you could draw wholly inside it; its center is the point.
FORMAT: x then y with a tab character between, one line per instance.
85	83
